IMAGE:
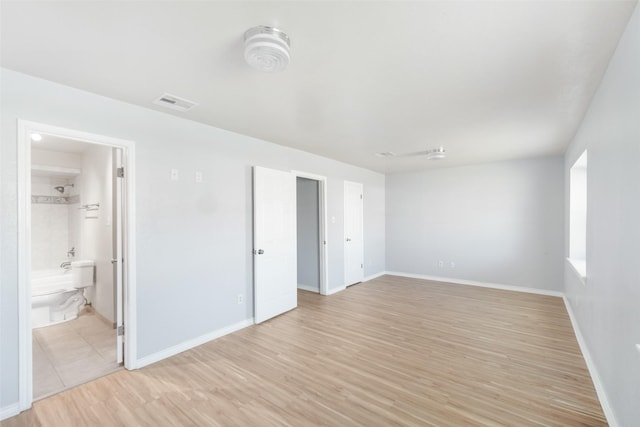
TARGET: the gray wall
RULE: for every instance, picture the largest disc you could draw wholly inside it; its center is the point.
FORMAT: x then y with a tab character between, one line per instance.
499	223
607	307
308	237
194	240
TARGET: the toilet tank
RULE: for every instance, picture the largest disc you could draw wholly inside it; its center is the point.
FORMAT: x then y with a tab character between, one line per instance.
82	273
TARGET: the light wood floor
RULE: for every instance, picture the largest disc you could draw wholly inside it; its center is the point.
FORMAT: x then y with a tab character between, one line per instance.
392	351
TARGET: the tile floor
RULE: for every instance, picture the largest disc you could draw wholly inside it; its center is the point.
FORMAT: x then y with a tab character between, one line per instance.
72	353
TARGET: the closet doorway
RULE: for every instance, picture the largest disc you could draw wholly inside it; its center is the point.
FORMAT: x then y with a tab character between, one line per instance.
311	232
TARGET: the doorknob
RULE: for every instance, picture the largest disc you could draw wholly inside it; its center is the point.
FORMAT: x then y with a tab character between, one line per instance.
348	239
258	252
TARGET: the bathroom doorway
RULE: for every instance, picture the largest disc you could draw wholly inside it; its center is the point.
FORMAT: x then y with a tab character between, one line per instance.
74	240
311	235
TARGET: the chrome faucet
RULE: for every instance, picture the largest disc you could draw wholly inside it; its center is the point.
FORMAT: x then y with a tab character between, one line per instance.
66	266
71	252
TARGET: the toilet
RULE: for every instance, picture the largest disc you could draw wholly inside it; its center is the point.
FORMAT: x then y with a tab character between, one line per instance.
82	274
58	295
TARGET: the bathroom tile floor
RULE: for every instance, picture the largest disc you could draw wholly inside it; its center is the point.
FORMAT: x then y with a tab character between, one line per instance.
72	353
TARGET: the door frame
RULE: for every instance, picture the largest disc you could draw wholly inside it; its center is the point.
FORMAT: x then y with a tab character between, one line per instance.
322	227
25	351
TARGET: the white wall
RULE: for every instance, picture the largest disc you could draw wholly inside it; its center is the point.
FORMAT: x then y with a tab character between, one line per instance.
499	223
194	241
308	234
607	307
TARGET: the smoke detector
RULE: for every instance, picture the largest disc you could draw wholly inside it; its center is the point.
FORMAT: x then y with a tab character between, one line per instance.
266	49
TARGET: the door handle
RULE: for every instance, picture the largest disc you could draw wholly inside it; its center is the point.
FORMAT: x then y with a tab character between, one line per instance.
258	252
113	261
348	239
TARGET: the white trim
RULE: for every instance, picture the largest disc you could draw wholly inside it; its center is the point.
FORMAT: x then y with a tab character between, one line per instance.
323	228
187	345
336	290
597	383
25	356
308	288
580	269
9	411
25	128
481	284
374	276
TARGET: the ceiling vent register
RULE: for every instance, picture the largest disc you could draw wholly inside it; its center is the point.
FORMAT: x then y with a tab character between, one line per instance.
175	102
433	154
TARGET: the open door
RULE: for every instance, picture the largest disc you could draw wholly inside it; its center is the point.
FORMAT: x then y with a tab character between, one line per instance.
274	243
118	256
353	233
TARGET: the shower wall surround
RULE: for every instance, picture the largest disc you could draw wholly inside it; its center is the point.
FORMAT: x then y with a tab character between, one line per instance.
54	218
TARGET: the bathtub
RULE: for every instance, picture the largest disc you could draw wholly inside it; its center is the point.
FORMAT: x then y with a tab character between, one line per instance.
53	297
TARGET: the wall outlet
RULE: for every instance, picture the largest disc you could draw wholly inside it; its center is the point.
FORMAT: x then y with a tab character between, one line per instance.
453	264
240	298
174	175
198	176
440	263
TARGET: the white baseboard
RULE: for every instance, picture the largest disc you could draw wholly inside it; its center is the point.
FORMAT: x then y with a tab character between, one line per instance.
602	395
335	290
475	283
374	276
9	411
309	288
187	345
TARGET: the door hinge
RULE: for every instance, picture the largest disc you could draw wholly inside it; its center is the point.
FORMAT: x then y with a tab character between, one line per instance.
120	331
361	266
120	172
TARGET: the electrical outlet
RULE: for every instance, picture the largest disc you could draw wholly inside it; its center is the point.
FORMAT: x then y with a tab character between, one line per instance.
174	175
240	298
198	176
453	264
440	263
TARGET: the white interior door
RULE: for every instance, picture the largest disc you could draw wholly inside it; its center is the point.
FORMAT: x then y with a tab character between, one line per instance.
353	233
274	243
118	256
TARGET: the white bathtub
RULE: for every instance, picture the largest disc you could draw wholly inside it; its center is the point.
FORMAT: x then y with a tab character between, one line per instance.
53	297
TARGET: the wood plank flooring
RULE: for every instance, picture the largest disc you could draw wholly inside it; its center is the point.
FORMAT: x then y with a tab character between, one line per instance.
392	351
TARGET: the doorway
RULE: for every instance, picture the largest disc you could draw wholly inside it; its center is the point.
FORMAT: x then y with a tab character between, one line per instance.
75	234
311	241
311	213
353	233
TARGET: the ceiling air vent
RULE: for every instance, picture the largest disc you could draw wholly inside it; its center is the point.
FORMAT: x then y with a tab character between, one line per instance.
386	154
175	102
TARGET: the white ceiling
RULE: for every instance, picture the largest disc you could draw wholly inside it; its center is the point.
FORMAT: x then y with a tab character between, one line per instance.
487	80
